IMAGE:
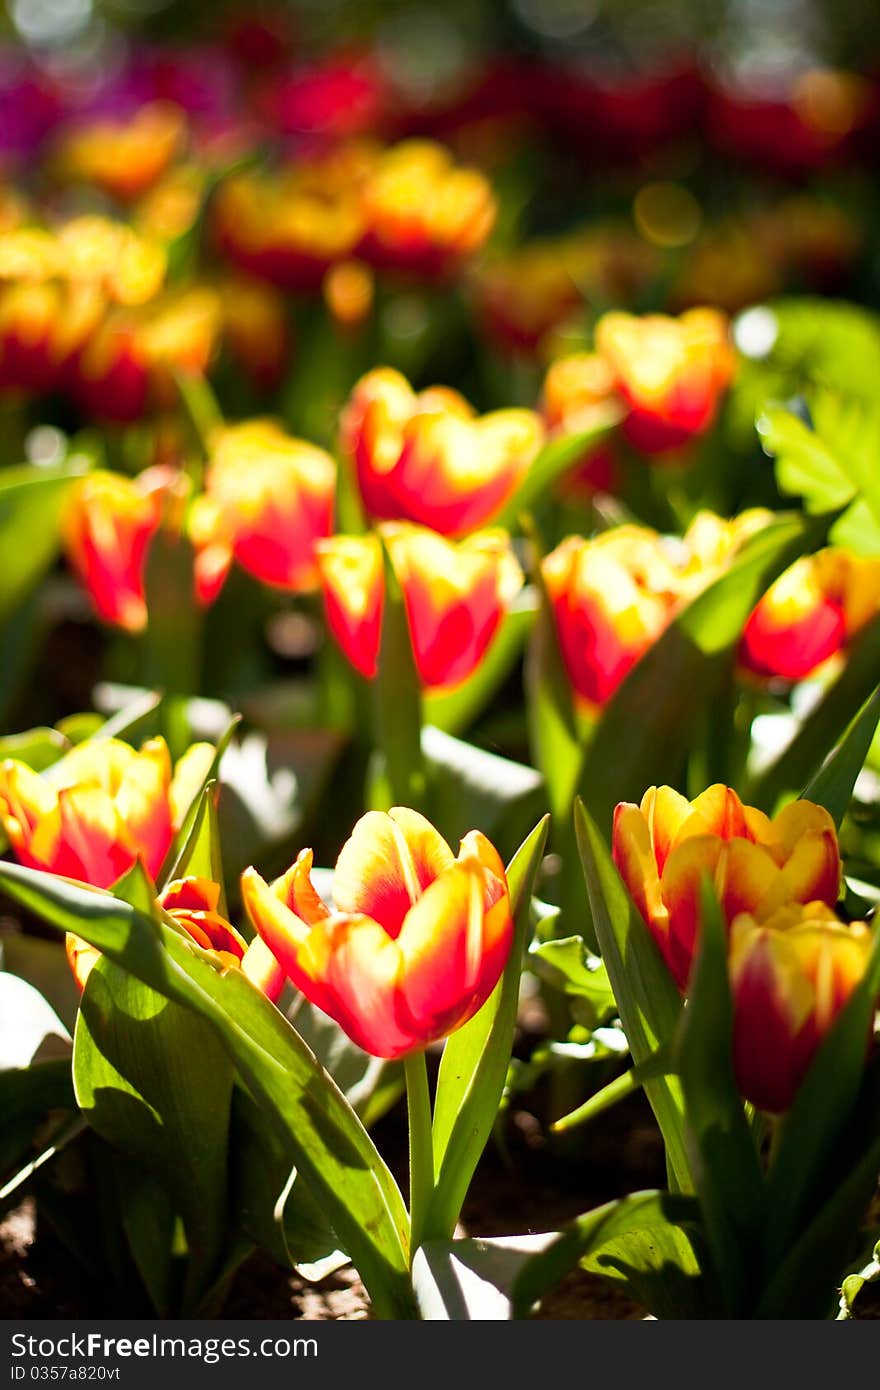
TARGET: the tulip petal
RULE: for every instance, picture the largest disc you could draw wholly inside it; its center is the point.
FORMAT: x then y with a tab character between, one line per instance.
385	865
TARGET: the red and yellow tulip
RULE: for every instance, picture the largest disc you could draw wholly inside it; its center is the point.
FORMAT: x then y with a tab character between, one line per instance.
667	845
415	943
422	213
791	975
612	597
268	499
108	525
455	594
104	806
810	614
122	157
670	372
429	458
193	902
291	227
126	367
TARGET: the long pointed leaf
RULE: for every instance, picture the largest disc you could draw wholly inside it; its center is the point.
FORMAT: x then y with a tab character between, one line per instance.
475	1059
327	1143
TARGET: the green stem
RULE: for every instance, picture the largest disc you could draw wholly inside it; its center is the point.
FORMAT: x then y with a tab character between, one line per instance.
421	1148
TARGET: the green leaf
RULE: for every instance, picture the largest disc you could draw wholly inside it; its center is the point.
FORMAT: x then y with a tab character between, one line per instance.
832	786
269	1203
835	461
651	721
554	459
454	711
184	832
38	748
397	706
31	504
554	732
822	1107
588	1234
806	465
470	1280
724	1161
799	762
475	1059
200	855
153	1079
649	1003
323	1136
805	1280
567	964
665	1268
27	1094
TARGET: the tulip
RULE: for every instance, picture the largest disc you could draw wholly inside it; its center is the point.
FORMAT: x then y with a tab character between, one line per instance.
127	366
417	939
671	373
791	976
104	806
665	847
423	214
123	157
108	526
290	228
611	597
810	614
428	458
268	499
455	596
192	903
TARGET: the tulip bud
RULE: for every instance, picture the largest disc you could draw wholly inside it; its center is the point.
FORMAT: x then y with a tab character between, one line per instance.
268	499
423	214
791	976
122	157
810	614
108	526
612	597
428	458
417	939
671	372
455	597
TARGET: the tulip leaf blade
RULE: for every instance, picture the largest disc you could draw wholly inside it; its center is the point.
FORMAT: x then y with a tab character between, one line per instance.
152	1078
825	724
650	723
327	1143
554	732
552	461
474	1065
639	1213
647	998
832	786
32	501
823	1106
184	833
400	778
200	854
724	1160
805	1280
